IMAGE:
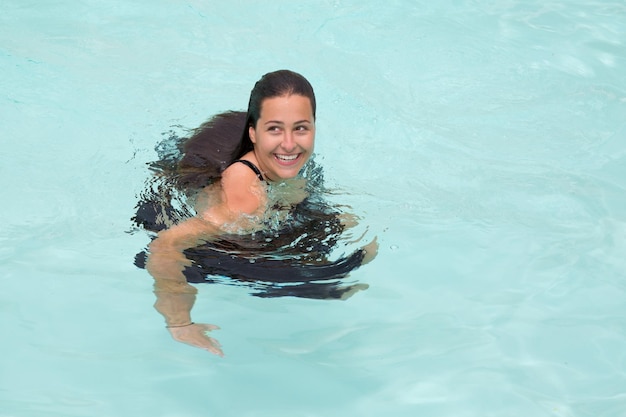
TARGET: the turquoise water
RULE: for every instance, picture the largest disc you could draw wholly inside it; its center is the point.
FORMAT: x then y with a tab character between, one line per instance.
483	142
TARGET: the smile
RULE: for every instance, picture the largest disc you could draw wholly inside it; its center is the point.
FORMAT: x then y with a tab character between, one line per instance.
287	158
283	159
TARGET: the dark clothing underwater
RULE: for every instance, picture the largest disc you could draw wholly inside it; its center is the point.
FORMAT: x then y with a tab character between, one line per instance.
291	261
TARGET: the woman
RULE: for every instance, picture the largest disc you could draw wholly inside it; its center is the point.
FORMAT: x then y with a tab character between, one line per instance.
253	182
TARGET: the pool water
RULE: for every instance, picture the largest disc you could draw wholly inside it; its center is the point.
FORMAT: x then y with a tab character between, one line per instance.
483	143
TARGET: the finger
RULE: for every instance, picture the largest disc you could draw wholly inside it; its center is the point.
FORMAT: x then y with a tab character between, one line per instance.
214	350
214	342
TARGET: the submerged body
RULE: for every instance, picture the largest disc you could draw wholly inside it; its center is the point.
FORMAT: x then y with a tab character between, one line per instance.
284	252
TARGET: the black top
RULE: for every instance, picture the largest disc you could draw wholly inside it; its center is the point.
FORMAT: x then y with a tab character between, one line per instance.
252	167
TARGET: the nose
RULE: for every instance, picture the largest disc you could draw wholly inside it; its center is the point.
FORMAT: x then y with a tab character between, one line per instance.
288	143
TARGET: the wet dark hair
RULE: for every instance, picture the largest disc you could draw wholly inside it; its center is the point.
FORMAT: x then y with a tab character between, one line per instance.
210	150
225	138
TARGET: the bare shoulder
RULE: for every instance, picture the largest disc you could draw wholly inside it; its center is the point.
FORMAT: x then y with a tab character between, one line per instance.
238	172
241	189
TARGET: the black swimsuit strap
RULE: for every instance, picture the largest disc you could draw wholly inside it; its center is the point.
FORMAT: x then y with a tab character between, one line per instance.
252	167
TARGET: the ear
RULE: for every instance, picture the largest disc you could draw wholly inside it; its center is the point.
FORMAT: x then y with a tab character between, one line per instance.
252	134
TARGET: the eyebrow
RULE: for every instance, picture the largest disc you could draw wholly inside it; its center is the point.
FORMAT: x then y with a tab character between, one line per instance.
282	123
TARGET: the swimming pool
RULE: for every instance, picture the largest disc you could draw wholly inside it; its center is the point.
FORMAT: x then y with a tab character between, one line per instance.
484	143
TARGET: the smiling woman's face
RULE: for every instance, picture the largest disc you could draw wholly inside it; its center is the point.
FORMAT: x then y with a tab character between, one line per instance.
284	136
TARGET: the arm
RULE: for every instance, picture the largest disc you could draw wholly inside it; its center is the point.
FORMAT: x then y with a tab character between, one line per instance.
166	263
166	260
175	297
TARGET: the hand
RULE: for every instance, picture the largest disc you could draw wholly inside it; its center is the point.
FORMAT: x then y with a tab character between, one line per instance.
196	335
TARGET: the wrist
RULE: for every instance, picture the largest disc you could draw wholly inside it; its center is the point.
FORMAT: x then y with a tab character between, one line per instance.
174	325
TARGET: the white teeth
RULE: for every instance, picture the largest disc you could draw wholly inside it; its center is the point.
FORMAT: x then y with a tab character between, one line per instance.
286	157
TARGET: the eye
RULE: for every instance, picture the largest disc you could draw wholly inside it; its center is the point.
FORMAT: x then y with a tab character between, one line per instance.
273	129
302	128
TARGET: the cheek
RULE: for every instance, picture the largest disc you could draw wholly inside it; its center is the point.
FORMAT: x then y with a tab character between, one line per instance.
312	141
